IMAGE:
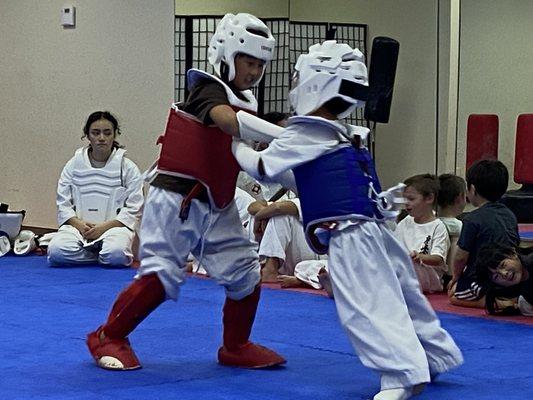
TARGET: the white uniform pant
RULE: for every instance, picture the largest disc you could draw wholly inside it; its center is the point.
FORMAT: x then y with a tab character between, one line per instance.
390	323
284	238
307	271
215	238
113	248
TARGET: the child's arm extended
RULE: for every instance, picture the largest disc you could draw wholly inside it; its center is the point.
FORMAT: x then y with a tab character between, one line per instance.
226	119
297	144
252	163
243	125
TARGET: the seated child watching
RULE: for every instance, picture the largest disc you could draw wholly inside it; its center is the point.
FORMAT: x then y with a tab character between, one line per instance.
451	203
278	228
423	234
491	222
99	200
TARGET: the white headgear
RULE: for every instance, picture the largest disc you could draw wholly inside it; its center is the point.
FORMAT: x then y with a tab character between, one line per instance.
5	245
25	243
329	70
238	34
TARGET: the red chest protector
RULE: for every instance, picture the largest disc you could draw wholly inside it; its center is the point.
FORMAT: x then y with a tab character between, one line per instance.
192	150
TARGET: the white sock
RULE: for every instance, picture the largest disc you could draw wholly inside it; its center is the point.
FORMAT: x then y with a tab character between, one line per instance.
399	393
394	394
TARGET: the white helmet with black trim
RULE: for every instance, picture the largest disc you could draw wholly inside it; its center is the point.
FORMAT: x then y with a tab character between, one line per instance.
329	70
241	33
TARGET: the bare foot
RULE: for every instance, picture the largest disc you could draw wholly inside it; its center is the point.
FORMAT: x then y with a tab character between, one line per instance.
323	278
269	276
269	272
189	266
287	281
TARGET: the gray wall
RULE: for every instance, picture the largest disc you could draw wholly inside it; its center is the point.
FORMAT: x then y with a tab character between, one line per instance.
496	59
120	58
406	146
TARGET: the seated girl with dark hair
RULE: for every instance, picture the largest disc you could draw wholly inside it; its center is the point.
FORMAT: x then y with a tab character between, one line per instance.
99	200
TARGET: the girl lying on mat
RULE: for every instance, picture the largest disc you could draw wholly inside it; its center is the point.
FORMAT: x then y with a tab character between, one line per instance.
507	274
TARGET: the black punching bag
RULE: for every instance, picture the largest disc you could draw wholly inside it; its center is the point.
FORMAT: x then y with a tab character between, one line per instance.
381	78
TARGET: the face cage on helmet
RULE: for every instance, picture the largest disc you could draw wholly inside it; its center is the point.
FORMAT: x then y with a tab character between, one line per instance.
243	26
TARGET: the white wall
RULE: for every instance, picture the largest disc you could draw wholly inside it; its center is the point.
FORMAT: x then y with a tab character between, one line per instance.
448	76
119	57
261	8
407	145
496	59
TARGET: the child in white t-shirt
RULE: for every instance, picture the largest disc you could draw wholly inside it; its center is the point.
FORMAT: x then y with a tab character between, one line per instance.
422	233
451	203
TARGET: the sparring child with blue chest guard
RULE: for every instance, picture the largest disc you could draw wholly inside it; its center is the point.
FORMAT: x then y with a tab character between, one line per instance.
190	207
390	323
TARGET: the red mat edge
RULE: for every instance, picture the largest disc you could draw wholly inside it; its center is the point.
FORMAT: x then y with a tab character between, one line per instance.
439	302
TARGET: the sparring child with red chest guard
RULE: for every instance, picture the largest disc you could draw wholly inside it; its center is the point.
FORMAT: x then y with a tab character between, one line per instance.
190	206
391	325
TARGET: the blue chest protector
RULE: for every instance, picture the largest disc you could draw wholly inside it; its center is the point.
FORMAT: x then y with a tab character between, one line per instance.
337	186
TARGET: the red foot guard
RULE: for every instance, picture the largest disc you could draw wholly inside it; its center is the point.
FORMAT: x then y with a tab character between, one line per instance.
237	350
250	355
112	350
114	354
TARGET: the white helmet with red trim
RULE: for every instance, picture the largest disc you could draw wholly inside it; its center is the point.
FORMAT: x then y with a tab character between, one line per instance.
329	70
241	33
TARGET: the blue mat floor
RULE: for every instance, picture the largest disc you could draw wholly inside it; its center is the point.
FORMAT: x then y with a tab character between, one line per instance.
45	314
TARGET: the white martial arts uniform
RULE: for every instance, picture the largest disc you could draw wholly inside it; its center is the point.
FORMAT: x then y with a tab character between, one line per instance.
307	271
430	238
114	246
213	235
389	322
242	201
284	238
261	190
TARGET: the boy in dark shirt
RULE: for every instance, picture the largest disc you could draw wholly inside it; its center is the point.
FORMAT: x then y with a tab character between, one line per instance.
491	222
190	207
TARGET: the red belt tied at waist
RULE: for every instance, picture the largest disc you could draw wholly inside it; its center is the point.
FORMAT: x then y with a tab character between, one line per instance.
193	150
